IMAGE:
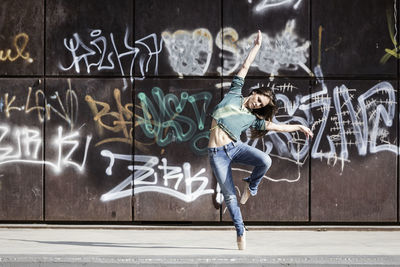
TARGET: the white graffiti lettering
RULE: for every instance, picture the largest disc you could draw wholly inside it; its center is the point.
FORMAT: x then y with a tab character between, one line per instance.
146	178
28	143
264	5
100	56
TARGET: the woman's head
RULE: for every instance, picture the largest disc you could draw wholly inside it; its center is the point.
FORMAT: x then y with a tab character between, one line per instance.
262	102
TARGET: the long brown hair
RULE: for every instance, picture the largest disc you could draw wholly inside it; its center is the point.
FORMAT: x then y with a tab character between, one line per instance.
265	113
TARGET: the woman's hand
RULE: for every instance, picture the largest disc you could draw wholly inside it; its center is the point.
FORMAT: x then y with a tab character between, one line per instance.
258	39
306	131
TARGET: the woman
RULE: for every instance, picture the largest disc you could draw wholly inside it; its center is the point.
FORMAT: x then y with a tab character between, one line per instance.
231	116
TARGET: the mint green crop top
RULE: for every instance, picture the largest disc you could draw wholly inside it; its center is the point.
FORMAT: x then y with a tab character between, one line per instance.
231	116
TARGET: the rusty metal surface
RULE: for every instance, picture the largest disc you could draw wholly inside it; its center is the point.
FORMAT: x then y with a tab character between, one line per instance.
173	179
354	179
21	37
283	193
21	146
88	138
186	31
354	38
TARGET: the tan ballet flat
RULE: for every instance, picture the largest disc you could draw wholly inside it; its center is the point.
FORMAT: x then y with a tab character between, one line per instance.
241	241
246	194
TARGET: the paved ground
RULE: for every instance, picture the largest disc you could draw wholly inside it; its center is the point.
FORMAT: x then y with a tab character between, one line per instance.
187	246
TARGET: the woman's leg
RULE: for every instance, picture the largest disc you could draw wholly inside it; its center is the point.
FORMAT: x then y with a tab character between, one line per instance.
221	165
252	156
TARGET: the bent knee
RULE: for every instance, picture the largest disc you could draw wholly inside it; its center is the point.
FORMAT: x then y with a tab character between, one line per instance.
267	161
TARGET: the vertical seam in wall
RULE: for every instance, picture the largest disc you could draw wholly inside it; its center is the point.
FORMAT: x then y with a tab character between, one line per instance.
133	117
397	131
44	155
44	117
310	92
397	118
221	78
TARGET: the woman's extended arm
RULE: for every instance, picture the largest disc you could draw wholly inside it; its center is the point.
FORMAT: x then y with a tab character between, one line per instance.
270	126
250	58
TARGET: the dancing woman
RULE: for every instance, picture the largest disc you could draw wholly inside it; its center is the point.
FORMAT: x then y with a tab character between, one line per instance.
233	115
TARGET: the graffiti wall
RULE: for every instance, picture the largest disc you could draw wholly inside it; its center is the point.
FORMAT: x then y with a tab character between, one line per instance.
105	109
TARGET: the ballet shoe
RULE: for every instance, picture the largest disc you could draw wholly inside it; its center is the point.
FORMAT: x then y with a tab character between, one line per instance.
241	241
246	194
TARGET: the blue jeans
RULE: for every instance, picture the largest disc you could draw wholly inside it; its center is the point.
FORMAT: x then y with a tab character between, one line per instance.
221	159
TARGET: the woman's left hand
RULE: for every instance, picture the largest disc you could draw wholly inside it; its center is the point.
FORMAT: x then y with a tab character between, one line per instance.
258	39
306	131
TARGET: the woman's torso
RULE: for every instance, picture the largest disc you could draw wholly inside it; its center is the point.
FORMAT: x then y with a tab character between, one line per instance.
218	137
231	117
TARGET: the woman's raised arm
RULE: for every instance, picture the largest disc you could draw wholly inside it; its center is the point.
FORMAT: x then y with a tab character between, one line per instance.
250	58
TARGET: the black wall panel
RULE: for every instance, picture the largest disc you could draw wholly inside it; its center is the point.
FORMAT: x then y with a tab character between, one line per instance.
88	139
353	171
21	37
354	37
285	28
89	37
173	179
184	30
21	149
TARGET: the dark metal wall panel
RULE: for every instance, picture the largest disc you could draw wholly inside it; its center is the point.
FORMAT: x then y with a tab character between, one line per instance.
91	37
283	193
21	149
185	31
173	179
285	26
355	36
21	37
353	175
88	140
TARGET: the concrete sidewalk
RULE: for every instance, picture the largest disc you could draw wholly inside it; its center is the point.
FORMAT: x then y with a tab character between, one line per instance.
87	246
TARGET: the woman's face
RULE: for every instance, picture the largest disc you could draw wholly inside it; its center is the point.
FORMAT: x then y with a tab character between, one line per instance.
257	101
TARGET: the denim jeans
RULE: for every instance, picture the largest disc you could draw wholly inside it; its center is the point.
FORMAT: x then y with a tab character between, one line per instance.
221	159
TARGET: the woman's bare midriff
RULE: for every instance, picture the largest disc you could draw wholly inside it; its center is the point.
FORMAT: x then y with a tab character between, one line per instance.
218	137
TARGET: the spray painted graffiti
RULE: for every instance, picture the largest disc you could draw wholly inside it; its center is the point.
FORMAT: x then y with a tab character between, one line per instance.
265	5
19	45
285	51
146	178
166	124
122	119
363	126
100	56
371	110
189	52
392	26
63	104
28	143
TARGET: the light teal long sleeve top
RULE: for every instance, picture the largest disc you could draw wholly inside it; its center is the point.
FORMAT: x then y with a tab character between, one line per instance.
230	114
